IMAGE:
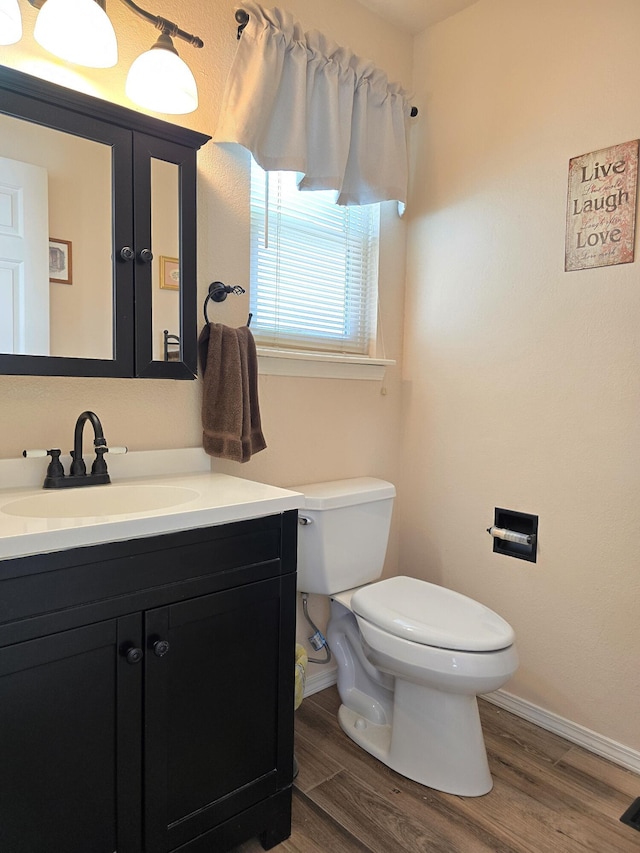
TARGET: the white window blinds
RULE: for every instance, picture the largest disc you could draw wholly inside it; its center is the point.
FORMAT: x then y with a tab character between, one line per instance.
314	267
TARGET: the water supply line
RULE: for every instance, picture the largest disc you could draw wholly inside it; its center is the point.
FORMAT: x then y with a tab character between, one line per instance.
317	639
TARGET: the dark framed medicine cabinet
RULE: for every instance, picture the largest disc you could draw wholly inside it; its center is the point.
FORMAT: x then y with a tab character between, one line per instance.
97	236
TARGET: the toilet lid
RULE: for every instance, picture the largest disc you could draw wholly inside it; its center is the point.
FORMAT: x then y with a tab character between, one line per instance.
432	615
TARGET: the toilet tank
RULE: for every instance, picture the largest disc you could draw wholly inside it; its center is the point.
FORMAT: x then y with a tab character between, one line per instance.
343	533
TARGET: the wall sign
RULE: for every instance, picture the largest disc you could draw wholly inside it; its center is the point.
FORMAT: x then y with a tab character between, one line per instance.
601	207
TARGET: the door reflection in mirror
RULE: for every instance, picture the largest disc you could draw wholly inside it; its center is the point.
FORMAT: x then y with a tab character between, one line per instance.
77	320
24	262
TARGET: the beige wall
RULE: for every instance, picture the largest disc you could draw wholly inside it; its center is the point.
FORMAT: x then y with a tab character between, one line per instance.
522	382
316	428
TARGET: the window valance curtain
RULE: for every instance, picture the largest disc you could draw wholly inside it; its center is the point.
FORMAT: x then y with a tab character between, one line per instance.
301	103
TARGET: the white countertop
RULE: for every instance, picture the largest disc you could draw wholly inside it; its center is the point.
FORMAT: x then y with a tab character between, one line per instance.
211	499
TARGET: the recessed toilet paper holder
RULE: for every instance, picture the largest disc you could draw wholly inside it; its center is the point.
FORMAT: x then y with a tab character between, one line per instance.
511	535
515	534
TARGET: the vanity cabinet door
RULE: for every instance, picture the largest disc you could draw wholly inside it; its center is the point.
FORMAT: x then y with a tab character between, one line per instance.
218	713
62	739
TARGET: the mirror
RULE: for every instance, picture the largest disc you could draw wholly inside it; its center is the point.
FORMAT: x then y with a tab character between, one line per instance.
55	243
165	239
97	236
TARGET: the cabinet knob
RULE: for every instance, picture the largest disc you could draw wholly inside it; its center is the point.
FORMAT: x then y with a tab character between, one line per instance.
127	253
145	256
134	655
160	648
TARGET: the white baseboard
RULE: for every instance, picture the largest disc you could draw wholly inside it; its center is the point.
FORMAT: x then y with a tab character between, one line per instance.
317	682
616	752
590	740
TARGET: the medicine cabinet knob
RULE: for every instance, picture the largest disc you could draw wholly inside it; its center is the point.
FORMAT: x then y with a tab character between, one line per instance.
145	256
160	648
127	253
134	655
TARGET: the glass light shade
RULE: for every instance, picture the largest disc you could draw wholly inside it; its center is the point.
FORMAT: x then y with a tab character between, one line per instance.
10	22
78	31
160	81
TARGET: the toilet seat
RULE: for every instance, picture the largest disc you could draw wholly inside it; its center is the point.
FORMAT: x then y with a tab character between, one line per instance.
431	615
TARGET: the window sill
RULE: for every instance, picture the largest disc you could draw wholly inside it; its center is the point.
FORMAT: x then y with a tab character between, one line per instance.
274	362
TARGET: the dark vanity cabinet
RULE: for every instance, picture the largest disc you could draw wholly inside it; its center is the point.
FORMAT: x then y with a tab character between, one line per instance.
146	693
121	187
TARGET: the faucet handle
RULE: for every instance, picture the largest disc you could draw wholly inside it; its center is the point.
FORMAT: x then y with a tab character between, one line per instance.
99	467
55	466
55	471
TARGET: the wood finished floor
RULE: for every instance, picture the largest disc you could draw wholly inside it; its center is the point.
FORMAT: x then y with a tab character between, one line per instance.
549	796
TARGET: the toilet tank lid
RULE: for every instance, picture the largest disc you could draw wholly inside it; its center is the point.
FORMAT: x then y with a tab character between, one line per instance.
338	493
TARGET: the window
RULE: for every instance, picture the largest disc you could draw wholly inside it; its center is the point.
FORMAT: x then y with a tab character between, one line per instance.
314	268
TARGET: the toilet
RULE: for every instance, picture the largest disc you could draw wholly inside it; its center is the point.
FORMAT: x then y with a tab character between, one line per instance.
412	656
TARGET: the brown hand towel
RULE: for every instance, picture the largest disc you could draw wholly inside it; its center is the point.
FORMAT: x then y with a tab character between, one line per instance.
230	411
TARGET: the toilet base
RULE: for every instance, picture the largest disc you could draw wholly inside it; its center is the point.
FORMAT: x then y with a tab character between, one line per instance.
435	740
373	738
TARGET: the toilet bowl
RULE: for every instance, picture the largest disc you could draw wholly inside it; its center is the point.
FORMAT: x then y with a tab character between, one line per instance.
411	656
430	731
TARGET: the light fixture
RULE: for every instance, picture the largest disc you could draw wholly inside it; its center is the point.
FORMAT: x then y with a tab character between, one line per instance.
77	30
81	32
160	81
10	22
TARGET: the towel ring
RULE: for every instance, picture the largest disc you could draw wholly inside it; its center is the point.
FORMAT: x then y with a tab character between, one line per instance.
218	292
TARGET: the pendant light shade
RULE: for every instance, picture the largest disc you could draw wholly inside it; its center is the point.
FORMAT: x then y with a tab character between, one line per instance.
160	81
10	22
78	31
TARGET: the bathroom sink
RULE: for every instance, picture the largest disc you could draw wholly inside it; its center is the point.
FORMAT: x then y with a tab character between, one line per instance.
153	492
93	501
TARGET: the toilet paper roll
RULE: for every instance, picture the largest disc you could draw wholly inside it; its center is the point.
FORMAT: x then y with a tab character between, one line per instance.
510	535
